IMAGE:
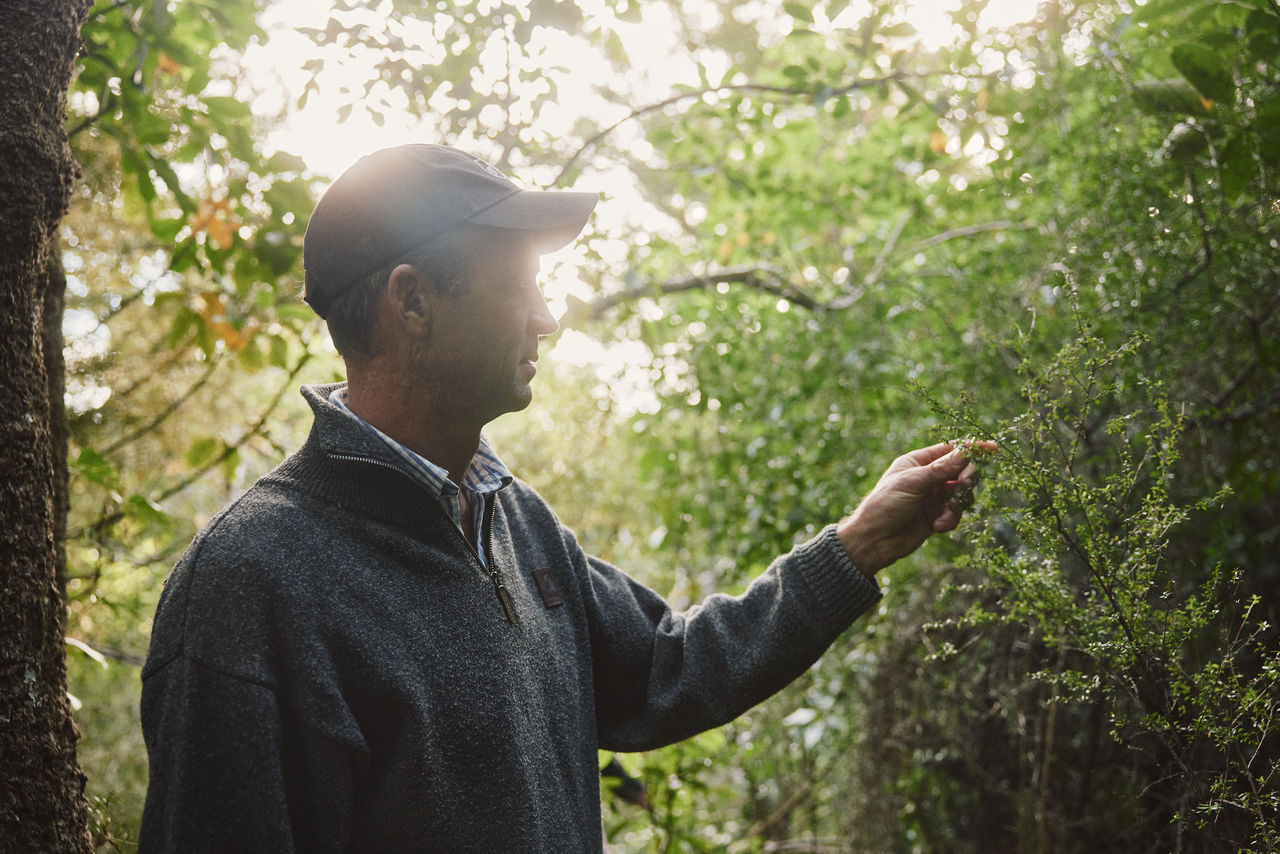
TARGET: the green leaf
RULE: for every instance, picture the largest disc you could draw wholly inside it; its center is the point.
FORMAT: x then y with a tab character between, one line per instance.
1168	97
295	311
165	230
202	452
1268	124
1157	9
1235	168
197	81
796	74
615	49
283	161
95	468
184	256
205	338
799	12
228	110
899	30
1263	34
252	357
230	463
630	12
171	180
279	352
146	511
135	164
1184	142
1205	69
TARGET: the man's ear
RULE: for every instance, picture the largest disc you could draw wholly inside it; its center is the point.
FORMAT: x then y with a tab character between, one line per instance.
409	298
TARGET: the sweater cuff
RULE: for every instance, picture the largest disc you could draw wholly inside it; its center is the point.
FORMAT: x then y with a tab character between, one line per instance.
842	590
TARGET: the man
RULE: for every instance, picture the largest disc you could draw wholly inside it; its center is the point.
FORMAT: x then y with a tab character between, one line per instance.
391	644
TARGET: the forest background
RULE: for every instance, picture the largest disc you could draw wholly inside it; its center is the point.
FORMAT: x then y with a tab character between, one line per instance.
825	239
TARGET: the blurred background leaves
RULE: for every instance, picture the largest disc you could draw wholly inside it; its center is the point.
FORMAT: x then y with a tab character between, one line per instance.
832	231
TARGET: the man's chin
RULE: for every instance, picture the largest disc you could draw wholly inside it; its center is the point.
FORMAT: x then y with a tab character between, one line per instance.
520	399
523	400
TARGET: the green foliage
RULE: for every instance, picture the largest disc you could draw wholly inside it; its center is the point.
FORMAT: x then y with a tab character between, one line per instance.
1139	619
181	251
1117	350
1061	235
1078	546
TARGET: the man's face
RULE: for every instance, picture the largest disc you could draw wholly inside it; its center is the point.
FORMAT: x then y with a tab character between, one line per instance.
485	339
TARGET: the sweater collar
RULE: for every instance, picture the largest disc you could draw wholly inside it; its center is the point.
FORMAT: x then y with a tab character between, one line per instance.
381	488
337	433
485	474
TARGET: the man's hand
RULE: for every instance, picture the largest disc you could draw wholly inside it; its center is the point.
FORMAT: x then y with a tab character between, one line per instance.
923	492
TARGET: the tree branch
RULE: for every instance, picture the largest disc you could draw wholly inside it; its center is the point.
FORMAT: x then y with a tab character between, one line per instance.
711	90
164	414
768	823
966	231
231	447
155	371
125	302
106	105
767	279
100	654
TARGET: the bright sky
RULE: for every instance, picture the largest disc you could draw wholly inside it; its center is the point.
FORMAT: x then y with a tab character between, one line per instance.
329	147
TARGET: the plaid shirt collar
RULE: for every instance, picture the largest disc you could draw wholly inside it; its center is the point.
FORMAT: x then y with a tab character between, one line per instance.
486	474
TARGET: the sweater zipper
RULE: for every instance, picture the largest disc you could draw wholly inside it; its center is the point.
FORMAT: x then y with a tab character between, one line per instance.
503	596
491	507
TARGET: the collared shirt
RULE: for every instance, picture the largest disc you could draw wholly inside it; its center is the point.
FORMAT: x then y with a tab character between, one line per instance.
484	476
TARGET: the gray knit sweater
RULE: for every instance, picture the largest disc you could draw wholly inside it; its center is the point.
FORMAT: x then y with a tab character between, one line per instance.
332	669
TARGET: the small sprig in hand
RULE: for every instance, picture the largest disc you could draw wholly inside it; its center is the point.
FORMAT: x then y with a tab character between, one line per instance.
960	492
915	498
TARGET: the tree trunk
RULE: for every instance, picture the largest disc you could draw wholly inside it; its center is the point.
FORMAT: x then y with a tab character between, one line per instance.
42	805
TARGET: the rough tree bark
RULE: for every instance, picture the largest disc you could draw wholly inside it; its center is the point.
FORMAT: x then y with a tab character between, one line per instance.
42	804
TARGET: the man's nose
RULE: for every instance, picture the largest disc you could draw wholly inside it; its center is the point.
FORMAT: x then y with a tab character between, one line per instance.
542	321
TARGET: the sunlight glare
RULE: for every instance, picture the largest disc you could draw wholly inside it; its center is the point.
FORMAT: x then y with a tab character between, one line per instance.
659	63
933	22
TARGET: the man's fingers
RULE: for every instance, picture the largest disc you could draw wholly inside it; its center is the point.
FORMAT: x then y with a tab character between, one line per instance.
935	455
958	494
947	520
949	466
922	456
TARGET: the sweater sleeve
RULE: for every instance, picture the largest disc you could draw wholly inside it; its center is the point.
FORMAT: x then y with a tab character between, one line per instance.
661	676
231	770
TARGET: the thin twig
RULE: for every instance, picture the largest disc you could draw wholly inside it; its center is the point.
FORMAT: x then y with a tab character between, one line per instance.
105	105
115	516
713	90
124	303
968	231
761	278
155	371
165	413
885	251
772	280
248	434
119	4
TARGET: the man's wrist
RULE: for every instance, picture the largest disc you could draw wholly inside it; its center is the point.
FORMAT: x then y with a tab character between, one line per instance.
859	547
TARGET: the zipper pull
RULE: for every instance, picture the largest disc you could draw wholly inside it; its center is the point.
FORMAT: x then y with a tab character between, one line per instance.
504	598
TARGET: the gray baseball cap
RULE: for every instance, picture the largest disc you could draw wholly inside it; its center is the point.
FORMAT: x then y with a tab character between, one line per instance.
399	199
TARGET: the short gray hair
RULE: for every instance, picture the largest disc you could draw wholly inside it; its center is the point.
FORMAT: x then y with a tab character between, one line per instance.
447	261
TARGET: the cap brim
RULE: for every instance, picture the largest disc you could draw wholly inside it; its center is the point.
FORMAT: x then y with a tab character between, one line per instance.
554	218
